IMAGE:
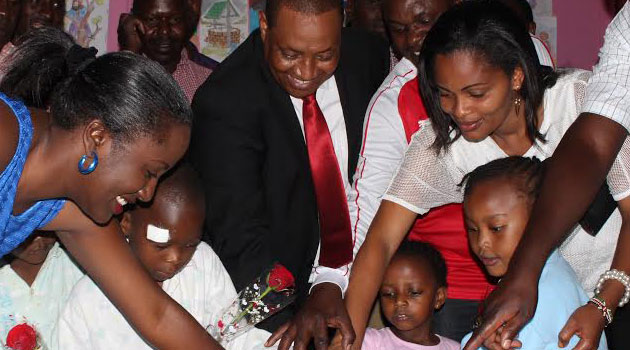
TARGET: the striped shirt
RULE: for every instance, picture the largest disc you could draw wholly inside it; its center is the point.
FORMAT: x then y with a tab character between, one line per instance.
608	91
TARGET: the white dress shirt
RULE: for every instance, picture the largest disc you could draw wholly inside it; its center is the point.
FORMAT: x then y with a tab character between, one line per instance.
329	102
608	91
204	288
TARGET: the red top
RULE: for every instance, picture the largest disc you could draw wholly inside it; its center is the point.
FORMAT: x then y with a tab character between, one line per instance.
443	227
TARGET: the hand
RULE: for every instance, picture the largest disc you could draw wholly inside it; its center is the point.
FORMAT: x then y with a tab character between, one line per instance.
587	323
324	308
507	310
129	30
494	342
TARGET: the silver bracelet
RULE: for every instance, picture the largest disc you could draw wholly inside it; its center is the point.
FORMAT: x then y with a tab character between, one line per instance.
620	276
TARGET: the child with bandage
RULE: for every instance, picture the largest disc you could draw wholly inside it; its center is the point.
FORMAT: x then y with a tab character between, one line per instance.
165	236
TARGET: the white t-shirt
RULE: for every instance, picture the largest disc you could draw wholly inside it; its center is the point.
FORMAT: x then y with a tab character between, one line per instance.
90	321
426	180
40	304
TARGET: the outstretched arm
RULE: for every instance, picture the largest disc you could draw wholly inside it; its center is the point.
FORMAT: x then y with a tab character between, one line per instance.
573	177
104	254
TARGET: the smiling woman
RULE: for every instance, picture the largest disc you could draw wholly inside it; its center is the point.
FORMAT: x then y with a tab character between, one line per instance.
81	136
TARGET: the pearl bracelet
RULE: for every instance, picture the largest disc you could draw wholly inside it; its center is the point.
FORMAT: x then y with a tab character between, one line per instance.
620	276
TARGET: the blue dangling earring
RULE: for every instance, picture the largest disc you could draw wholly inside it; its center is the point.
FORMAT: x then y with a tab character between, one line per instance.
90	168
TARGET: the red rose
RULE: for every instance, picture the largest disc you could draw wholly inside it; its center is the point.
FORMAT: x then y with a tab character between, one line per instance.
280	278
22	337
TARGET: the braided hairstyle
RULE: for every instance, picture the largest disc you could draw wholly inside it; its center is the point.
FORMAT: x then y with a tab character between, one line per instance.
525	173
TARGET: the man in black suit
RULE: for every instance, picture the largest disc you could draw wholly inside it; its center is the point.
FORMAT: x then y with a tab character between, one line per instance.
252	144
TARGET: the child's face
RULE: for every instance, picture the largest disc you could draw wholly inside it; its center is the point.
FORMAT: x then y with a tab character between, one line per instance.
164	260
496	214
409	295
35	249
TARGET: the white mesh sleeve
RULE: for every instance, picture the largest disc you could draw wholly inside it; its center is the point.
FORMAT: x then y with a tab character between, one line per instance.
580	88
619	175
425	179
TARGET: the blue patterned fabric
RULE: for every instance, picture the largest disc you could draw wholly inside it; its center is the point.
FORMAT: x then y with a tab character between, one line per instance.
15	228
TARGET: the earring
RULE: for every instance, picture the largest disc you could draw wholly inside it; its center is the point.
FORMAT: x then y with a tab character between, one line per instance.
83	169
517	104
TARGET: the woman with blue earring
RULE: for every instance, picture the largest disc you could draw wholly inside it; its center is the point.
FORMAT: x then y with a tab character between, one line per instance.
62	119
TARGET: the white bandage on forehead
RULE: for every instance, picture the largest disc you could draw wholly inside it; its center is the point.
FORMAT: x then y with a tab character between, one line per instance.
157	235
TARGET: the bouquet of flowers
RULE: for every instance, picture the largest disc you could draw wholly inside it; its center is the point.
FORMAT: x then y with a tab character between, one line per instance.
265	296
23	337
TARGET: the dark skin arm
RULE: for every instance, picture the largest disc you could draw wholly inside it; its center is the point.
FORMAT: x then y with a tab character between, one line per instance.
106	257
581	161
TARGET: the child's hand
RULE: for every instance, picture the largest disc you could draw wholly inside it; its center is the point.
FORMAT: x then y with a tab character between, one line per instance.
587	323
494	343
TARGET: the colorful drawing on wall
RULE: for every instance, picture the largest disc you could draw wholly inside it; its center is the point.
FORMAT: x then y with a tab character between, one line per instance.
86	21
223	26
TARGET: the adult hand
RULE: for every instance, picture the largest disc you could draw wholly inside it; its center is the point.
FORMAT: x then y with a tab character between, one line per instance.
324	308
129	30
587	323
506	311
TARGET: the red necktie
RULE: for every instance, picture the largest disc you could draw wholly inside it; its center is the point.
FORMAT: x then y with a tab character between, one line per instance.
334	218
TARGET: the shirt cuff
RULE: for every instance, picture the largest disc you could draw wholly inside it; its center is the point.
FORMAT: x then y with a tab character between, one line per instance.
336	276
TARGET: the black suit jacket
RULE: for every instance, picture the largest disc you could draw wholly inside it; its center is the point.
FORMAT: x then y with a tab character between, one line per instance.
249	150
